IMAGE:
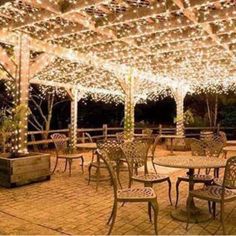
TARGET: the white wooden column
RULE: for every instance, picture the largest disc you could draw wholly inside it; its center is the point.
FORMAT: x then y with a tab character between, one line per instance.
21	97
179	95
129	109
74	115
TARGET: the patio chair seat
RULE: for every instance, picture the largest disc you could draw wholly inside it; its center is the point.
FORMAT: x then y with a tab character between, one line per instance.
132	194
214	193
70	156
152	177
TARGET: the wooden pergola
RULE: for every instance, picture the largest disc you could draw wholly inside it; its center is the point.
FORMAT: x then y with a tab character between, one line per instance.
131	49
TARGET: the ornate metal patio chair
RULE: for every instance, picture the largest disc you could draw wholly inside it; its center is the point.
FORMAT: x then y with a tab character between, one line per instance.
225	140
141	194
223	137
147	132
63	152
88	136
218	194
214	149
136	156
120	137
114	152
198	148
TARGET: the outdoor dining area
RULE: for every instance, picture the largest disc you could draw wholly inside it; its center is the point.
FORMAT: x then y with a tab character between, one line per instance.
61	174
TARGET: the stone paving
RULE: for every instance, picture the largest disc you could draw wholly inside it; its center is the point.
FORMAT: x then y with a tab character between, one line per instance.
68	205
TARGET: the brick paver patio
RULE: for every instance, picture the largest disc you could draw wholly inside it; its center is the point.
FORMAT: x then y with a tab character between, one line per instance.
67	205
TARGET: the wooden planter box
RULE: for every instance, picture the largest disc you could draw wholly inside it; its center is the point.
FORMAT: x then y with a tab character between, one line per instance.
19	171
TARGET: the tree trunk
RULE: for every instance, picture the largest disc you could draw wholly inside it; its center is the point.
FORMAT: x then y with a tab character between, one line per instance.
216	110
208	111
49	118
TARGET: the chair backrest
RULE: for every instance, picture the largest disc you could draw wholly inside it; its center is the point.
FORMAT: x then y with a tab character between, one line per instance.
198	147
230	173
120	136
60	142
214	147
223	137
103	155
89	137
136	155
112	148
147	132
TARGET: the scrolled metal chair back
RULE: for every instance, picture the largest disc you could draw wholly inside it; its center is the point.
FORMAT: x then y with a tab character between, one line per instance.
120	136
103	155
112	148
60	142
136	155
147	132
198	147
223	136
229	180
214	147
88	137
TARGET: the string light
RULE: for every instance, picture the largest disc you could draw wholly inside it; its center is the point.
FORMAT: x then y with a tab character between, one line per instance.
163	48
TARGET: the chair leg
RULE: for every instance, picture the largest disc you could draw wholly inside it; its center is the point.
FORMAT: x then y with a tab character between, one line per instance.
98	177
130	183
65	166
89	173
112	212
70	164
150	211
177	192
222	217
155	209
169	191
113	218
82	164
55	166
118	174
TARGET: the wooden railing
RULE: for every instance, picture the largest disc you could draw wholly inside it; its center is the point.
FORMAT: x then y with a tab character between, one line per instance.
35	137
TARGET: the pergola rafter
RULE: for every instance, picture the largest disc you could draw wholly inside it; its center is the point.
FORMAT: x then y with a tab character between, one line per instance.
102	34
206	26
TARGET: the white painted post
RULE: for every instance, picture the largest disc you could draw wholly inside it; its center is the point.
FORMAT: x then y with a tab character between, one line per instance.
179	95
129	109
74	114
21	97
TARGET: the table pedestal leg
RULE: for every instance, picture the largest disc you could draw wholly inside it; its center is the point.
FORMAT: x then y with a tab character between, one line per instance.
196	215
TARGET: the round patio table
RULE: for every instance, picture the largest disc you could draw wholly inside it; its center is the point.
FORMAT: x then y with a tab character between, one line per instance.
191	163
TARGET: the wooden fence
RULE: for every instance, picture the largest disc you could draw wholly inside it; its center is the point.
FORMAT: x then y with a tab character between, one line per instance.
35	137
